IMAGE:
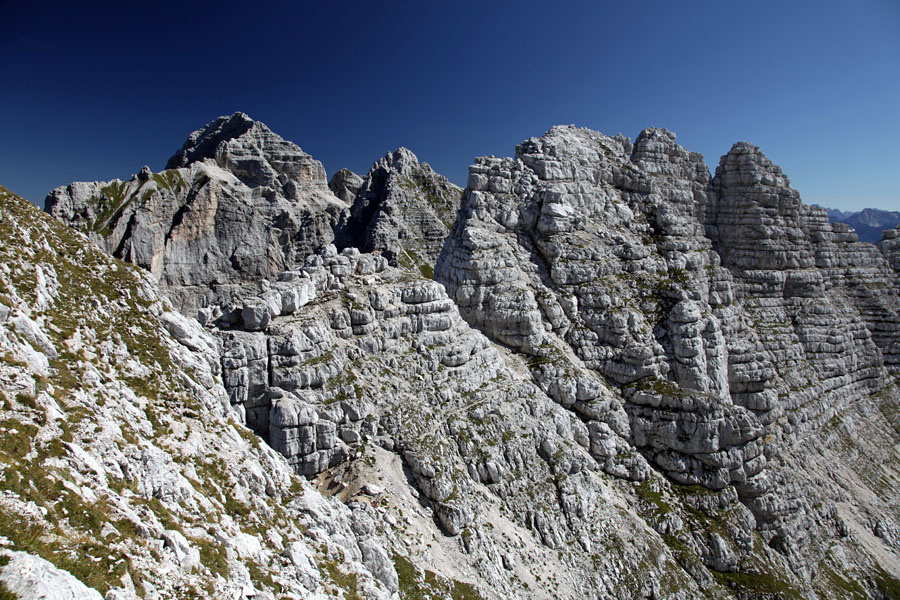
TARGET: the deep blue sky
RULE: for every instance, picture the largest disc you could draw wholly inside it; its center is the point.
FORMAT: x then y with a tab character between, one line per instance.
92	91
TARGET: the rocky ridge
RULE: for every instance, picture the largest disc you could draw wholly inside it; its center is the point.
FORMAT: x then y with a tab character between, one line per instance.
734	320
637	380
402	208
157	464
122	464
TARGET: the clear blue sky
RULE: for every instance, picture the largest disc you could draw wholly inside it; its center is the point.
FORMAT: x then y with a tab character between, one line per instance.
92	91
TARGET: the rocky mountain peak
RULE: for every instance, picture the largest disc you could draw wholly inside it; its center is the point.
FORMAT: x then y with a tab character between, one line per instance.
656	151
401	160
745	165
237	204
563	141
654	137
401	208
344	185
250	150
657	143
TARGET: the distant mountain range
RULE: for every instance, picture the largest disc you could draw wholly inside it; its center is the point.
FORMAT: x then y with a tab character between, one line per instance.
868	222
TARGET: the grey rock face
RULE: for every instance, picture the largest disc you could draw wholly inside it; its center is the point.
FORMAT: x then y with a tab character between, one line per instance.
402	208
890	247
784	251
344	184
237	204
574	252
251	151
630	375
730	318
379	358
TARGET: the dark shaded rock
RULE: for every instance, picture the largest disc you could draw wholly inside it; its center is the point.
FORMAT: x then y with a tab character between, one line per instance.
402	208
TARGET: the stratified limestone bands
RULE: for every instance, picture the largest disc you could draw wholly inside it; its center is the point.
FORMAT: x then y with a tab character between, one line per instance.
725	311
631	378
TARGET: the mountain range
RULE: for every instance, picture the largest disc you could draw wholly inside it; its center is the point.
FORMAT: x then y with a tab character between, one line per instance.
599	371
868	222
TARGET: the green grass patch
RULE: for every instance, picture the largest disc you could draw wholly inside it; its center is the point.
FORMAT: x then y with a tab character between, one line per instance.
9	359
6	594
886	583
96	565
213	556
646	491
654	385
838	585
346	581
761	583
427	585
262	579
15	439
170	180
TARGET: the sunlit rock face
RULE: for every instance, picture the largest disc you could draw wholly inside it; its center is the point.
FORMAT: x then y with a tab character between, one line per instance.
590	249
731	319
599	370
235	205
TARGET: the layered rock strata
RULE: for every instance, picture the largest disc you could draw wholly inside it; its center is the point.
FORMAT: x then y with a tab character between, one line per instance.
637	380
376	356
732	319
573	248
235	205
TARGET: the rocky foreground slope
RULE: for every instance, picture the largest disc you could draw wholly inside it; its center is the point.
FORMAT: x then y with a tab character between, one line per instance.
628	378
123	464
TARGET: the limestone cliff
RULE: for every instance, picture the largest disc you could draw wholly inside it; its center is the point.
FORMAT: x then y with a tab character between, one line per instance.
735	323
630	379
235	205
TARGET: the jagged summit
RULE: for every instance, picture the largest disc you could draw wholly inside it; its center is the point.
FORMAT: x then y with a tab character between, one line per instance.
746	165
402	159
236	204
401	208
203	143
252	152
732	319
344	185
